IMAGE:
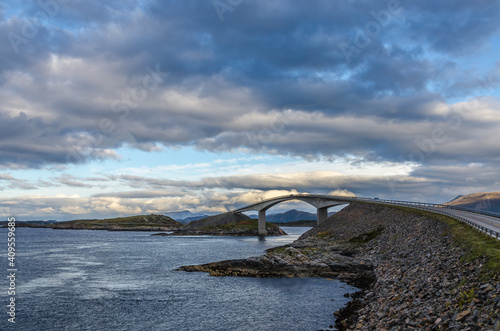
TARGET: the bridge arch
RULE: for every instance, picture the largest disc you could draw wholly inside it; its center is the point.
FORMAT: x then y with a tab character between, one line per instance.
321	202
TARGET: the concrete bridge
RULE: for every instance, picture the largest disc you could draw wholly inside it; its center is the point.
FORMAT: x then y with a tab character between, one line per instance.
487	222
321	202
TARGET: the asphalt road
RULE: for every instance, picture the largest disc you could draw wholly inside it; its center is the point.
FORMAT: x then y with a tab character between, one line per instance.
489	222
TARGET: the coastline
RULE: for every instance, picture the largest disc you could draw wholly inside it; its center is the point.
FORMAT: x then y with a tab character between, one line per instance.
411	272
220	231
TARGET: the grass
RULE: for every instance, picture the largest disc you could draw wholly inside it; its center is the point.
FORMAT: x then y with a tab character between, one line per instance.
477	243
466	298
131	221
325	234
278	250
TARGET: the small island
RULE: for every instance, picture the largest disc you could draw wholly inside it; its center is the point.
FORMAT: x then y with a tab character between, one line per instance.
227	224
151	222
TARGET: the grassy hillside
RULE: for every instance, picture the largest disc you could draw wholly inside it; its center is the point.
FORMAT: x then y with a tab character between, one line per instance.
477	243
244	225
482	201
217	220
228	224
137	222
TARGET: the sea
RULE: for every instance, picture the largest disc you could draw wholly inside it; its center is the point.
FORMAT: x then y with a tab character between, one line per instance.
110	280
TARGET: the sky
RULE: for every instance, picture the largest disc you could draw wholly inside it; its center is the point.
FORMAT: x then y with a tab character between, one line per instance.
113	108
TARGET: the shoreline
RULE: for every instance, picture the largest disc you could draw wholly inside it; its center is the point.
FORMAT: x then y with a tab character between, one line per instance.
103	228
411	272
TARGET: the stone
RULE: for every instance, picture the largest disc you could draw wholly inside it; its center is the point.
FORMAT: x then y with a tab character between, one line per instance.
460	316
496	326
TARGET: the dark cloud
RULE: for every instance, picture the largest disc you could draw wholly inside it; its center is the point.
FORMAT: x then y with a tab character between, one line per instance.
316	181
455	27
271	77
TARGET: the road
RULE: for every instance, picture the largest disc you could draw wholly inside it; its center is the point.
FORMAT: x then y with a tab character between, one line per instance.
489	222
484	221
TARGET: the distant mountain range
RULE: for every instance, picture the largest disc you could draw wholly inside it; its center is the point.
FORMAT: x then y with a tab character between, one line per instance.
487	201
185	216
293	215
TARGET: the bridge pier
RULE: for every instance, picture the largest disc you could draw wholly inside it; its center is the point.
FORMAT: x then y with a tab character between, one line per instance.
262	223
322	214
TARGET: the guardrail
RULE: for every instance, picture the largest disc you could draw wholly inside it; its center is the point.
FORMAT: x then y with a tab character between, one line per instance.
427	204
422	206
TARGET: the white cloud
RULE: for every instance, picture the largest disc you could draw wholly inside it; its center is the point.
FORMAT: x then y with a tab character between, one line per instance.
342	193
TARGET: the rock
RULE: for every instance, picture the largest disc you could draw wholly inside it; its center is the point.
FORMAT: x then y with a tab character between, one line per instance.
460	316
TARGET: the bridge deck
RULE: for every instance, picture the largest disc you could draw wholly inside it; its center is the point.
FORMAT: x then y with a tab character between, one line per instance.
487	222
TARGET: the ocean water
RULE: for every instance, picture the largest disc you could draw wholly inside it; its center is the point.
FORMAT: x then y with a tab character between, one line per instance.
100	280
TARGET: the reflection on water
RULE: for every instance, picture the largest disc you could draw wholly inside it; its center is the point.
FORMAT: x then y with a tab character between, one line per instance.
99	280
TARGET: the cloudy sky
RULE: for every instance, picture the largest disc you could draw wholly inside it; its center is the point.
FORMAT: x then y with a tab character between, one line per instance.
125	107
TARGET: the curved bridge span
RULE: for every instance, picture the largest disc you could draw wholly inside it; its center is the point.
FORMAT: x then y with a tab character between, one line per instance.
487	222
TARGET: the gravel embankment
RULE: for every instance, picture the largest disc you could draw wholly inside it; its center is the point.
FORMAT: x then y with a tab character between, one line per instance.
422	283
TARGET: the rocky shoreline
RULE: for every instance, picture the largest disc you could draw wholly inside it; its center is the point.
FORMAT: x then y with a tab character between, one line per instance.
411	273
242	232
311	258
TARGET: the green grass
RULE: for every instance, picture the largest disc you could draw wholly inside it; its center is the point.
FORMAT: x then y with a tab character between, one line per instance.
477	243
466	298
131	221
277	250
309	249
325	234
